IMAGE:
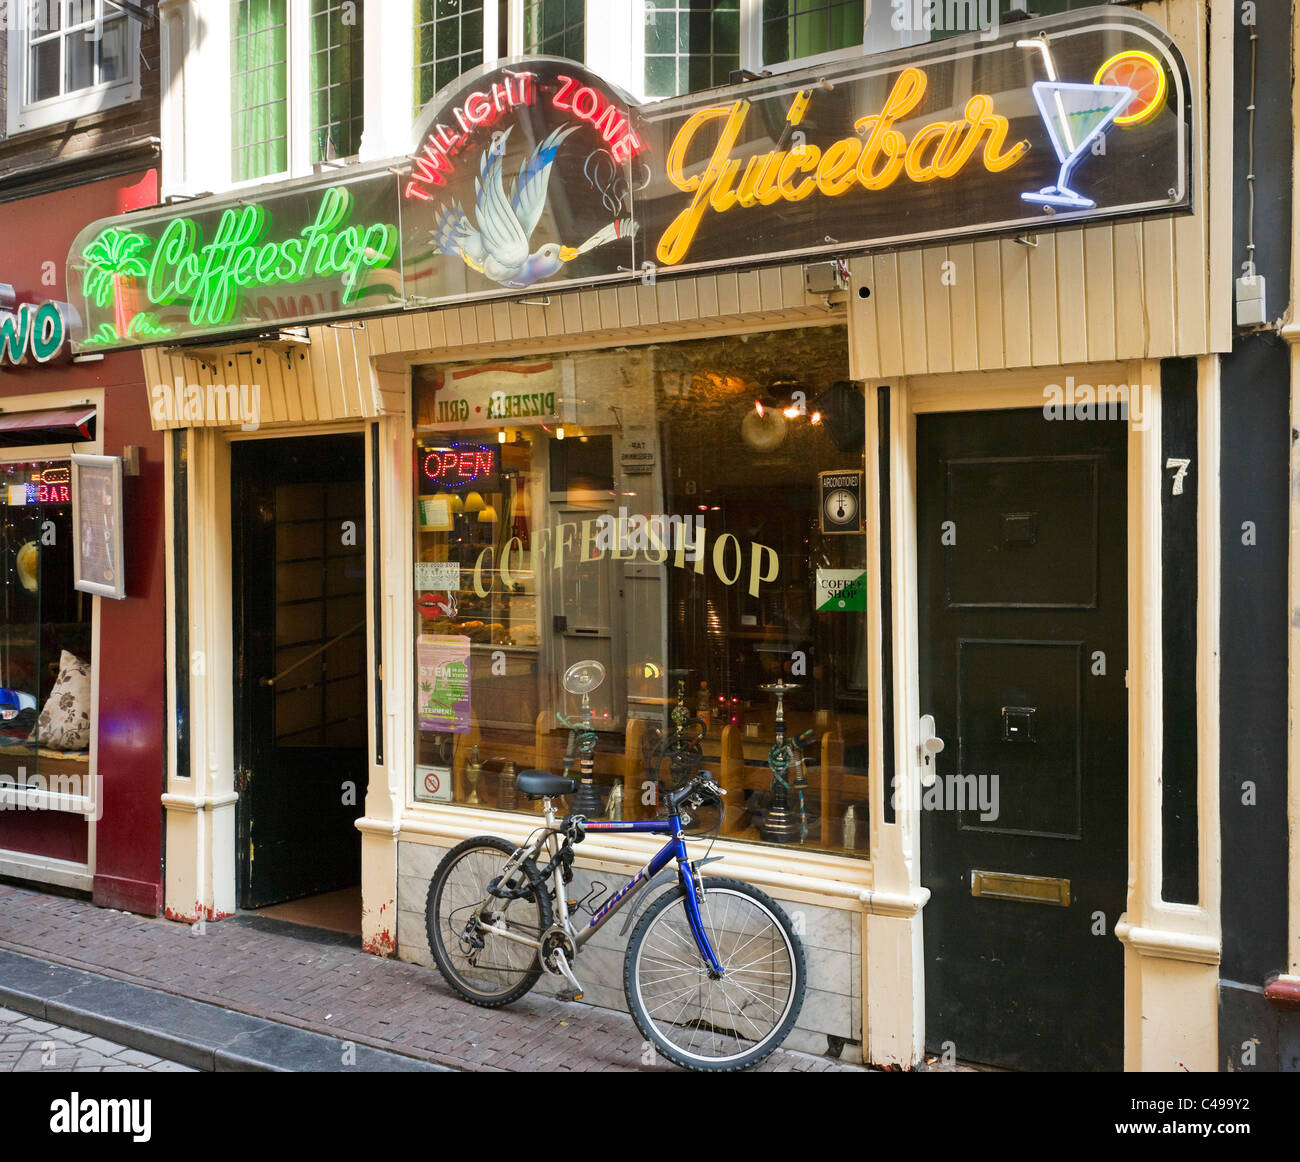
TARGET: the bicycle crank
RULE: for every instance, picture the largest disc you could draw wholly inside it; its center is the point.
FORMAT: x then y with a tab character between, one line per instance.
557	951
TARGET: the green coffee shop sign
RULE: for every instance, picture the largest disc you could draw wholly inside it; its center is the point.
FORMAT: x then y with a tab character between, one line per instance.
269	260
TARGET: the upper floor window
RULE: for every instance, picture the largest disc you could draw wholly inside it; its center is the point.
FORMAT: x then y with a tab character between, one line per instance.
337	78
449	40
690	45
556	28
270	75
259	90
68	58
793	29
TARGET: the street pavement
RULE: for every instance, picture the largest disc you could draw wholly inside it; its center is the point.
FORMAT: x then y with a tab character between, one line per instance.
253	993
30	1046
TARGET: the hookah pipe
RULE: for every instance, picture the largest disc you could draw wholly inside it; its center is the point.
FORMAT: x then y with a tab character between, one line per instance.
683	751
583	739
780	758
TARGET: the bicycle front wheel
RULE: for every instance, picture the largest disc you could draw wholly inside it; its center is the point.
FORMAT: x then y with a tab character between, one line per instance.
732	1022
482	965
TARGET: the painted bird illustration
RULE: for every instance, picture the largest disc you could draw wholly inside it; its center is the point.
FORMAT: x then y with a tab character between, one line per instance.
497	243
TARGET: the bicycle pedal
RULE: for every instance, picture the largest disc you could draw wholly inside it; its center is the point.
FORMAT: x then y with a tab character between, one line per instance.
569	994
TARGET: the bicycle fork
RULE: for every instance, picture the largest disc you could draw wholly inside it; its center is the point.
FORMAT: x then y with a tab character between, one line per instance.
693	888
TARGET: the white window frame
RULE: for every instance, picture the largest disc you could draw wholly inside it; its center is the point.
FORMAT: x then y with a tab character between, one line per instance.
751	47
23	116
751	42
88	804
491	36
298	161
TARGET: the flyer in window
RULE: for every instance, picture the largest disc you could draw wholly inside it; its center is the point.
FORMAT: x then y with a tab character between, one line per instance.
442	682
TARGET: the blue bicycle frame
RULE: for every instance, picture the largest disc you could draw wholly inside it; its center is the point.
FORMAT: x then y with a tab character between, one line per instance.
675	848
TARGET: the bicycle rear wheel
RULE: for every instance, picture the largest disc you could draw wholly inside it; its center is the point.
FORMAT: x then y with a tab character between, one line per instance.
485	968
716	1025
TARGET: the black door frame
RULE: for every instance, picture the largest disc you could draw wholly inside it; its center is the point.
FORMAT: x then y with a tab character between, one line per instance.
240	742
1006	447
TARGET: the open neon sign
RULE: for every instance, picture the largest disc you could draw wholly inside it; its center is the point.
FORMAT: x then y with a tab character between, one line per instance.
460	465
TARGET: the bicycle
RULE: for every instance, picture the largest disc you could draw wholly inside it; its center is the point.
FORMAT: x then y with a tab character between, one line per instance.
714	973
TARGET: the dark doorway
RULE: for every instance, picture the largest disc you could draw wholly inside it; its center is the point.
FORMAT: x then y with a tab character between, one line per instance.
1022	595
298	522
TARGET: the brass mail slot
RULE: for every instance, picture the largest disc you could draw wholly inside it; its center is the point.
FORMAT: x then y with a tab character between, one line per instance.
1027	889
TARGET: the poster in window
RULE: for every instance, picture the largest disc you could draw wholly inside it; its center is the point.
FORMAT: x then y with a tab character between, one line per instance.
97	525
443	682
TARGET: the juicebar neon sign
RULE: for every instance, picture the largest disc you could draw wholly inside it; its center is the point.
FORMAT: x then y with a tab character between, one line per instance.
872	160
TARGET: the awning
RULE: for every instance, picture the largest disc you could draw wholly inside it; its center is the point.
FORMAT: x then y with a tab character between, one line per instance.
47	426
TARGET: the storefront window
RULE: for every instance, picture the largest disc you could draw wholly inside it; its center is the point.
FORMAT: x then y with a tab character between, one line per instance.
44	631
687	515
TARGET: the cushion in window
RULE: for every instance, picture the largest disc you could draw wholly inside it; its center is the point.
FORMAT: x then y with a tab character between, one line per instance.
64	723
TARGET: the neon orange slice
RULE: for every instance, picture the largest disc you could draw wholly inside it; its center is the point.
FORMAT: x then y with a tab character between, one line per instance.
1142	73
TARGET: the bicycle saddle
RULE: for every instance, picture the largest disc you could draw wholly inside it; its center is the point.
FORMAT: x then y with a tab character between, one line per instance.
535	784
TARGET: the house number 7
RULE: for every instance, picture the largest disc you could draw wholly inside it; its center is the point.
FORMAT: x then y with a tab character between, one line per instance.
1180	466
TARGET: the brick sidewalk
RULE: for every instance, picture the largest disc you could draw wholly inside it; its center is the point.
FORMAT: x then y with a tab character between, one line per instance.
329	986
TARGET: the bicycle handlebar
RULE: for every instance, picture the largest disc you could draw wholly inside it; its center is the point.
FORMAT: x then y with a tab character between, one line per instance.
701	782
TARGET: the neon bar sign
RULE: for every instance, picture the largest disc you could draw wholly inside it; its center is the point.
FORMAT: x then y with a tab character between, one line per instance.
39	330
872	160
460	465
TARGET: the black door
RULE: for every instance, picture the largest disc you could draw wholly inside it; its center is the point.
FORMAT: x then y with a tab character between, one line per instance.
1023	645
298	517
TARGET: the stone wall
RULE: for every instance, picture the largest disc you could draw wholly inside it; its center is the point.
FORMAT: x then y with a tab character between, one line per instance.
832	1007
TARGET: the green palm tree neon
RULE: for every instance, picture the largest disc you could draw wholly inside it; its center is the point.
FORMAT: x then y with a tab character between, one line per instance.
112	260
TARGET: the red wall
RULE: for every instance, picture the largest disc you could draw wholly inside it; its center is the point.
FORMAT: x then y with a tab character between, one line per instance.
128	848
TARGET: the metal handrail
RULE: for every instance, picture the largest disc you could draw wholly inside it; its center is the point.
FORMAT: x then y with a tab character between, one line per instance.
314	654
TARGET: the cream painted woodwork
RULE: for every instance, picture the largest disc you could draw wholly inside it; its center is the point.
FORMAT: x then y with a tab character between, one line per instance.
357	370
1291	332
1127	290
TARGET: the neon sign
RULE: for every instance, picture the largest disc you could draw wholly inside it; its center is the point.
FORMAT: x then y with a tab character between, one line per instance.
212	275
460	465
871	160
39	330
513	89
268	257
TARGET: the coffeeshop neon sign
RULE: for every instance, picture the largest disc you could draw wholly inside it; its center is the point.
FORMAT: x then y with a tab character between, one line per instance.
872	159
212	275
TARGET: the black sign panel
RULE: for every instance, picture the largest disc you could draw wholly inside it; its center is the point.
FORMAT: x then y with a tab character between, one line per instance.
537	175
841	501
1051	122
